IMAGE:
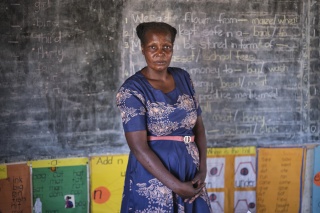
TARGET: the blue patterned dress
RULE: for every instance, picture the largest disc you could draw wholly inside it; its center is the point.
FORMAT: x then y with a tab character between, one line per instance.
143	107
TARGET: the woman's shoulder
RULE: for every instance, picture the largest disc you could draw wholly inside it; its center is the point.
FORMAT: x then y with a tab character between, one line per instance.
134	82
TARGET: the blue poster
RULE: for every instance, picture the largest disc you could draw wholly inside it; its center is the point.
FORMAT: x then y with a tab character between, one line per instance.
316	181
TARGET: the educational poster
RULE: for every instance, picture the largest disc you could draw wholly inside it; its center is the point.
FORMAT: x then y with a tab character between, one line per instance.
107	181
15	189
231	179
245	201
3	171
279	184
60	185
316	181
215	173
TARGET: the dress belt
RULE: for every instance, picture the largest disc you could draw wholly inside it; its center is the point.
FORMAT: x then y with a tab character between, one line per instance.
186	139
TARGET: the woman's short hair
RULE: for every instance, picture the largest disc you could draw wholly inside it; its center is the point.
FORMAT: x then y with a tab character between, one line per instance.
143	28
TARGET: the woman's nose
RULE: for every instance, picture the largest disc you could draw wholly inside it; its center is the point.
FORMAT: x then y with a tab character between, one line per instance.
160	52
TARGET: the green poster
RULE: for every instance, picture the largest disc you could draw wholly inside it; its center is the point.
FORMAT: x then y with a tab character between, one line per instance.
61	189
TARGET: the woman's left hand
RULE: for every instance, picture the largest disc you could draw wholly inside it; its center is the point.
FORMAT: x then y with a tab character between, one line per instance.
197	181
199	178
203	191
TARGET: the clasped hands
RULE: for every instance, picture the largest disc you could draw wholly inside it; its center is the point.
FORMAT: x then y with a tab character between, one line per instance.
191	190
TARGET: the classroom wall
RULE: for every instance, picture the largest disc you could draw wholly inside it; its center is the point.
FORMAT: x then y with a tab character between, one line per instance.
255	66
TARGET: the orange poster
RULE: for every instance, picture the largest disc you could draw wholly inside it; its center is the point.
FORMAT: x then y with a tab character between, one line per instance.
279	185
15	190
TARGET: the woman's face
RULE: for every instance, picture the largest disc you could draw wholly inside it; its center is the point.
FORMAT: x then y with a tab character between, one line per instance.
157	50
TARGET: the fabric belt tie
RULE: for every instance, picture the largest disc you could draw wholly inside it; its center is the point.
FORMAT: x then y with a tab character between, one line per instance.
186	139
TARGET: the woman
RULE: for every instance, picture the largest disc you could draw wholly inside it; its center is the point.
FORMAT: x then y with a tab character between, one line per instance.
164	130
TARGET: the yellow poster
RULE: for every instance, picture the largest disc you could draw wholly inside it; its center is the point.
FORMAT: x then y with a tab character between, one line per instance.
231	179
3	171
279	179
107	181
58	162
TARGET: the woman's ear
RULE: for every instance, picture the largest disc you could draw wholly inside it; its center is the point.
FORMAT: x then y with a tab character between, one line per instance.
142	50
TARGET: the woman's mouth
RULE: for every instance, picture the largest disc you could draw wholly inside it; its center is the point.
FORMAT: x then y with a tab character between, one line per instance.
160	62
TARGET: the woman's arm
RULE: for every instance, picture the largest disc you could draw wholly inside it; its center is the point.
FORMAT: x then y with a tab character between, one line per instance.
201	141
138	144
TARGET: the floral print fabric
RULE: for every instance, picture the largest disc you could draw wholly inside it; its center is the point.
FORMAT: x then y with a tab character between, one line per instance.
143	107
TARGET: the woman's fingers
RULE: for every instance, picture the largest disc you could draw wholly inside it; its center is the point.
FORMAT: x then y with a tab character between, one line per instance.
200	191
195	197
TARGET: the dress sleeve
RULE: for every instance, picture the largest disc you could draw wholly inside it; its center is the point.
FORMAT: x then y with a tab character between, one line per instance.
199	111
132	108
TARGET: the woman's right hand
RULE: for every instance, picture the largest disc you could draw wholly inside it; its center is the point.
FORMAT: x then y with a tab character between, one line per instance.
187	190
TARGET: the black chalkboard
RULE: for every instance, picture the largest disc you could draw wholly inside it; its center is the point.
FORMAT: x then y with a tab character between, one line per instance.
60	63
254	64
